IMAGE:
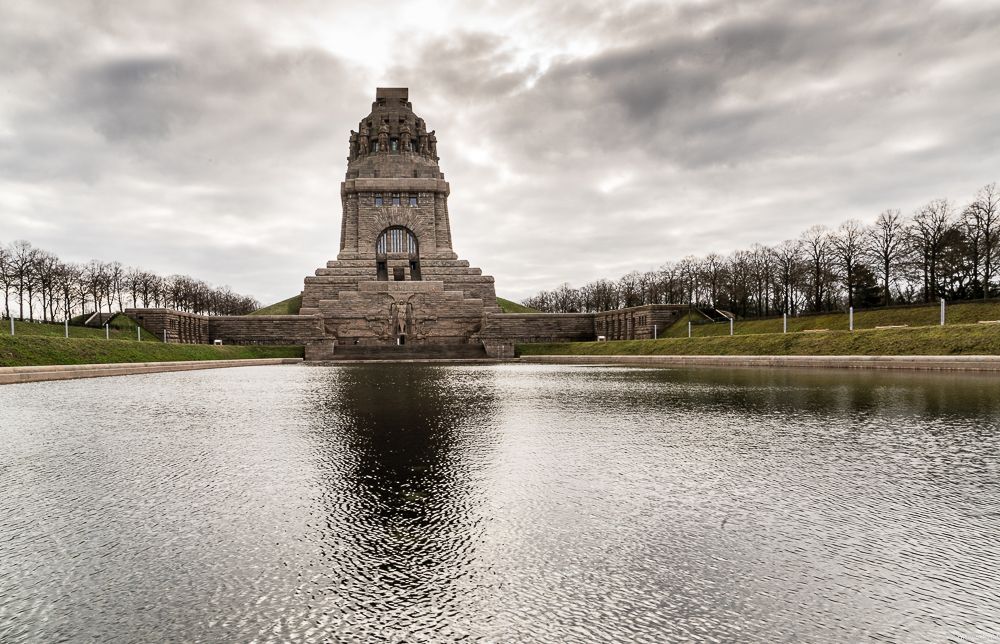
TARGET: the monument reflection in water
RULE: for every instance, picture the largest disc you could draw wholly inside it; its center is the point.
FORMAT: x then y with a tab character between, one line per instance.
402	451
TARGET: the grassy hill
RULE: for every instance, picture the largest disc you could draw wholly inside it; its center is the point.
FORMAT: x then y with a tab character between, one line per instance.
513	307
967	339
925	315
290	306
29	350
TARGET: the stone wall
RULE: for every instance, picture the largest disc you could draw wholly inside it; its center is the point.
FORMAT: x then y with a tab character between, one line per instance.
502	332
637	322
189	328
172	326
266	329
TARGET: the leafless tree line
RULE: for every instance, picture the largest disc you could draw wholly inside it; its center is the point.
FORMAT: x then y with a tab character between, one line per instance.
938	251
37	285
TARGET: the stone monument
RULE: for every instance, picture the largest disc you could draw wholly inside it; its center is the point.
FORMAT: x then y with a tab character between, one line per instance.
396	280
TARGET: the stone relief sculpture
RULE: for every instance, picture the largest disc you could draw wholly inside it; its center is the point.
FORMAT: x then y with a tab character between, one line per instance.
353	152
432	144
375	318
383	138
400	315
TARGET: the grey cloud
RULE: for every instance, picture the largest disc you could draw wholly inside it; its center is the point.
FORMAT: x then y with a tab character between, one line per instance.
681	128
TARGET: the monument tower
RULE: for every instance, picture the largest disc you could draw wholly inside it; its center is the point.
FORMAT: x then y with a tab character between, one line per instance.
397	290
396	280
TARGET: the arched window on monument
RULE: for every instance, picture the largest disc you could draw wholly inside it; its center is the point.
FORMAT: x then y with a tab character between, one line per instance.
396	248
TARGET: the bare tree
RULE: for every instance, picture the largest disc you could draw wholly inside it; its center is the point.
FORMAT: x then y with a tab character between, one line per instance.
982	217
21	255
7	280
44	266
116	285
713	270
628	285
887	245
928	233
787	257
815	244
848	247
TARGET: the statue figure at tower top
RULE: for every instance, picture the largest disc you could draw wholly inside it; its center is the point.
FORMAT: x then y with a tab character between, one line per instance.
383	138
363	141
404	138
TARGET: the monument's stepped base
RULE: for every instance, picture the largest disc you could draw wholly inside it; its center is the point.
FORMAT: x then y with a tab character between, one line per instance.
328	351
346	275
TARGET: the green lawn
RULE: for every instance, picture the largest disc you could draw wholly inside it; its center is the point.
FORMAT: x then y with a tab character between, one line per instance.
290	306
967	339
122	328
513	307
27	350
958	313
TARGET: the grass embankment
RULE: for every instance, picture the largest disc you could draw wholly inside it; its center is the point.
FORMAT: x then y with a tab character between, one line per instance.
122	328
929	315
513	307
28	350
290	306
958	339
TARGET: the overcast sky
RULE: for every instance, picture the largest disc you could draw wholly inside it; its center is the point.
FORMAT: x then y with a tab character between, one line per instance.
581	139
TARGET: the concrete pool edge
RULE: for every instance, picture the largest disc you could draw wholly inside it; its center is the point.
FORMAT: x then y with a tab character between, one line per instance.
979	363
16	375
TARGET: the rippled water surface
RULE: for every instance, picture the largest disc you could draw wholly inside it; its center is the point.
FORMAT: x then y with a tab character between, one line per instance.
501	503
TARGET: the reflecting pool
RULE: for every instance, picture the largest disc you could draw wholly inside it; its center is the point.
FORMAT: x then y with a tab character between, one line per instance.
506	503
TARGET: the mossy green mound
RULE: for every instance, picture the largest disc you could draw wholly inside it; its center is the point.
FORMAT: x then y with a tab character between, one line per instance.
513	307
290	306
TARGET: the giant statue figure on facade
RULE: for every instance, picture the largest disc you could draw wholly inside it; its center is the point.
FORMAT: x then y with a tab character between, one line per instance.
404	138
363	141
383	138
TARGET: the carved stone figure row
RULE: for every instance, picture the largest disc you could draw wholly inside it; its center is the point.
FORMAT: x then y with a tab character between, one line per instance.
425	144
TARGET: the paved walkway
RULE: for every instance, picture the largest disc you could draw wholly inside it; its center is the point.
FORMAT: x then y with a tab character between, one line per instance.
925	363
14	375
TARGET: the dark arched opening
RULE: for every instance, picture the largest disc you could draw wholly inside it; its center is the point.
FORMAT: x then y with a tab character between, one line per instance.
396	253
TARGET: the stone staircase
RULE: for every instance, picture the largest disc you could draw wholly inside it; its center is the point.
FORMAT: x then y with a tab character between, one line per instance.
391	353
715	315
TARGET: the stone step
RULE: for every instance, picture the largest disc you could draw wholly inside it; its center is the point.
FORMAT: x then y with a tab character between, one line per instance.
424	261
410	352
